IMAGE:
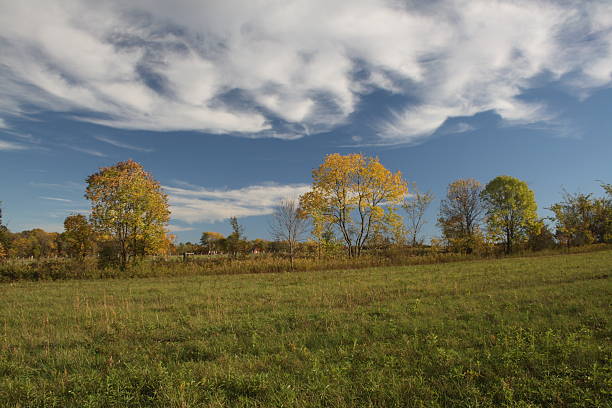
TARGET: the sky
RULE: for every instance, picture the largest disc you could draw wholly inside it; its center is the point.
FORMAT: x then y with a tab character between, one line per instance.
231	104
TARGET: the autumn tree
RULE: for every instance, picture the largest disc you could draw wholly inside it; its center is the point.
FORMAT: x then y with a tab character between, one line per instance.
461	214
78	236
3	252
415	207
583	219
35	243
129	206
511	211
353	193
235	242
5	235
211	241
540	237
288	224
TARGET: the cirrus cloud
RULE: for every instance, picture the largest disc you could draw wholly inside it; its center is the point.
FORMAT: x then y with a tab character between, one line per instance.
193	204
287	69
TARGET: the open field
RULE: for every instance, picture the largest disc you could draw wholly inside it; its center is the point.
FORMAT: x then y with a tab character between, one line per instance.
510	332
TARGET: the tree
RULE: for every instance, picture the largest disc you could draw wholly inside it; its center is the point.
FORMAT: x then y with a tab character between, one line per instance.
353	193
415	206
540	237
288	224
235	240
129	206
582	219
78	236
3	253
5	235
461	214
211	241
511	210
35	243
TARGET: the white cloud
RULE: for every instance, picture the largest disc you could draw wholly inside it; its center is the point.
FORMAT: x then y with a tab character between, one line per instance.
123	145
178	228
85	150
198	204
63	200
3	124
229	66
4	145
68	185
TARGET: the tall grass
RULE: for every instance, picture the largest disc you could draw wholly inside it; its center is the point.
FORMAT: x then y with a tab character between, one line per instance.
89	268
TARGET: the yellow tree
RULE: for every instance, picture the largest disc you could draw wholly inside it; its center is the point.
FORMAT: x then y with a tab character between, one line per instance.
211	241
78	236
3	252
354	193
129	206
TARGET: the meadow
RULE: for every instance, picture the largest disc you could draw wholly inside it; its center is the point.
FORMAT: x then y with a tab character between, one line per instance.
531	331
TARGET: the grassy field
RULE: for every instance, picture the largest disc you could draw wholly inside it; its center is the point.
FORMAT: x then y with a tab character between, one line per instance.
511	332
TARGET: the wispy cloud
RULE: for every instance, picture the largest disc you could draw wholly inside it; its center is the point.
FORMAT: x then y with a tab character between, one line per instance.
63	200
3	124
198	204
85	150
122	145
5	145
178	228
68	185
288	69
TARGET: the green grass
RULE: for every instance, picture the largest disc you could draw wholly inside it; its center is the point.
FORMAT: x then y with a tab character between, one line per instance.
510	332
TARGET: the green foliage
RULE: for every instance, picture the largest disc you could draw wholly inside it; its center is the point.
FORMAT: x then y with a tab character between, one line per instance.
511	211
235	242
582	219
541	237
520	332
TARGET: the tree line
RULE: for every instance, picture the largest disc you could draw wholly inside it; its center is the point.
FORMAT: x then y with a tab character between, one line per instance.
355	205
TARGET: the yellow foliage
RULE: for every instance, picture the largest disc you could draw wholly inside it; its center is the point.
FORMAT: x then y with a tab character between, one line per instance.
354	193
129	205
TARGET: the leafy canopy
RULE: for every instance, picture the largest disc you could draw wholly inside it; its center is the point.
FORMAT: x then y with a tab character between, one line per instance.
129	206
511	210
78	236
356	194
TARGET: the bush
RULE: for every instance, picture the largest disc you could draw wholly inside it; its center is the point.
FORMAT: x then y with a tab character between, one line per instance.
94	268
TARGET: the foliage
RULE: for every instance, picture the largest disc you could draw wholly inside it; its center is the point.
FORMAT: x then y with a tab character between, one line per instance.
213	242
355	194
460	216
78	237
521	332
235	242
3	253
415	206
582	219
129	207
511	211
540	237
35	243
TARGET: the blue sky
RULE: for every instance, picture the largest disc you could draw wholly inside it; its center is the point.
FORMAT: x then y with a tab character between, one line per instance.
231	106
